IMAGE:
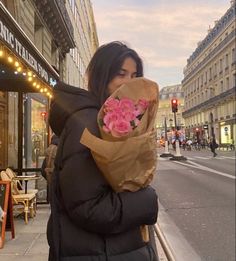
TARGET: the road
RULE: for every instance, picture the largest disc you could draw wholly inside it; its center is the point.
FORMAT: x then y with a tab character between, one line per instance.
198	196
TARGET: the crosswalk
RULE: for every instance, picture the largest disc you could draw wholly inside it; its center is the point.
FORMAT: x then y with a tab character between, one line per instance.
203	158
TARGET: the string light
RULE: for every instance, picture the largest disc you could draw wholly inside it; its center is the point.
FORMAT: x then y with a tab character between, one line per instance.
10	59
21	70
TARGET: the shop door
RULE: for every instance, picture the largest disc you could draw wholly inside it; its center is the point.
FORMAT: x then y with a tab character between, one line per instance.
3	137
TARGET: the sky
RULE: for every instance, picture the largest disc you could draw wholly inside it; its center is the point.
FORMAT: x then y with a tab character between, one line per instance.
164	33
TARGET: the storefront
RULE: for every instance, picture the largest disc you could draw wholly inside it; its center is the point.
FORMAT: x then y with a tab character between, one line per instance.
227	132
26	82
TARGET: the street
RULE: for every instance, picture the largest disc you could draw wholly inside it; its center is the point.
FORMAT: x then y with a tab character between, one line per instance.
198	196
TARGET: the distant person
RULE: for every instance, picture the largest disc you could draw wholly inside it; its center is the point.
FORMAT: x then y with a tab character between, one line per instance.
48	163
213	146
189	144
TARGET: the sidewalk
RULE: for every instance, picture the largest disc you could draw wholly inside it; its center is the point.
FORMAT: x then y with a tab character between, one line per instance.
30	243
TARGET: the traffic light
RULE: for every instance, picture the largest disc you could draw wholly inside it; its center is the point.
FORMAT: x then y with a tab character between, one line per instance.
174	105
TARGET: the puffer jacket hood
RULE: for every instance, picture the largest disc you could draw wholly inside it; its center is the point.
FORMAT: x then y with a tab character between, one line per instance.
68	100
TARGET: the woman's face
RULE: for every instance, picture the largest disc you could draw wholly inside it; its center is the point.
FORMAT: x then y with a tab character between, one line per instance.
128	71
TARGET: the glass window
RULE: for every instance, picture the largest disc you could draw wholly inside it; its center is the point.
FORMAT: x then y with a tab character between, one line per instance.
39	134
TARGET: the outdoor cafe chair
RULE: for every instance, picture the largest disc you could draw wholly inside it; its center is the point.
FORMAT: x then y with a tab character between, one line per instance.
17	184
28	201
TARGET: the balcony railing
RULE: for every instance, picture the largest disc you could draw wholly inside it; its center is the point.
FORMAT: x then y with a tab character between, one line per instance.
211	102
230	37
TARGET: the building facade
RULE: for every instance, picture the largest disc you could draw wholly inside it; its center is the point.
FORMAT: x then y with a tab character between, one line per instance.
210	81
165	113
86	41
41	42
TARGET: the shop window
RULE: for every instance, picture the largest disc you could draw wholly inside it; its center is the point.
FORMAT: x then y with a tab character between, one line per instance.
39	133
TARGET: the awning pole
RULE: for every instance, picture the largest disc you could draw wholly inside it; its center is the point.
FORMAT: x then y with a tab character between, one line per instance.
20	133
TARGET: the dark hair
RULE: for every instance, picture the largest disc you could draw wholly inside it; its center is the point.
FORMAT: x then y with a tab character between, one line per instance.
106	64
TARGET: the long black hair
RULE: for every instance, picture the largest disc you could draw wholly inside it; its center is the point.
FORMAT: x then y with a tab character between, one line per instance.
106	64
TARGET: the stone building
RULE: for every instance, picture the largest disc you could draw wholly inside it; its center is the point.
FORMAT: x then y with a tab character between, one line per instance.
86	41
165	112
210	81
41	42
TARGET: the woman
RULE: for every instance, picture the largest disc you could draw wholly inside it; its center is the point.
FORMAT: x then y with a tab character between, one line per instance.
213	146
89	221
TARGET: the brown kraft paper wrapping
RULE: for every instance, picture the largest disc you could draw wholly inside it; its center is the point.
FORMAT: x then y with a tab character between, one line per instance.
128	163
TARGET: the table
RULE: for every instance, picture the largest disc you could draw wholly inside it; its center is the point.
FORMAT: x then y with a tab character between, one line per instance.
26	179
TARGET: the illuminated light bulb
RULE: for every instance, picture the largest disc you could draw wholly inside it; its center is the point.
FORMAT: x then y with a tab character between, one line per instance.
1	53
45	89
17	64
30	79
24	73
19	69
48	93
37	86
34	83
34	75
30	74
41	90
10	59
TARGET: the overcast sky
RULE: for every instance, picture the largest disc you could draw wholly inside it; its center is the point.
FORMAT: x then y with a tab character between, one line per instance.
164	33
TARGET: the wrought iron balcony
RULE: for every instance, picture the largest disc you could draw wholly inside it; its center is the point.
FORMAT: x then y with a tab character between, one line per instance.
223	44
55	15
210	103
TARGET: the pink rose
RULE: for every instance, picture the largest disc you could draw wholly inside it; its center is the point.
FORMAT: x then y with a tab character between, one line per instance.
127	104
111	104
109	118
142	105
120	128
129	115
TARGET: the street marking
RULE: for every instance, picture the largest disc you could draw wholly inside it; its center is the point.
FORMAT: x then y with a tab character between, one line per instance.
198	157
189	158
197	166
225	157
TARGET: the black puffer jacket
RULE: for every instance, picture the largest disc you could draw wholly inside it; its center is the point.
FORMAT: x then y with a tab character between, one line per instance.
95	223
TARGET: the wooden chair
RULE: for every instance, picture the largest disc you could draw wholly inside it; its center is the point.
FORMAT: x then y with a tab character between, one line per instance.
27	200
17	184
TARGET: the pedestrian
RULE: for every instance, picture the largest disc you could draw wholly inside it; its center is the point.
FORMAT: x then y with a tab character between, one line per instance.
213	146
89	221
48	163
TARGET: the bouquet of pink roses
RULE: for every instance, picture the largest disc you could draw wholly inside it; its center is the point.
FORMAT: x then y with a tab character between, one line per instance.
126	152
122	115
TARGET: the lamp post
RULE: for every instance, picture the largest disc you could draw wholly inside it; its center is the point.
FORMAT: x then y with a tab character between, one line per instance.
177	156
166	153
